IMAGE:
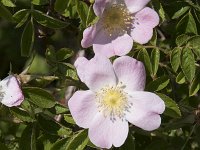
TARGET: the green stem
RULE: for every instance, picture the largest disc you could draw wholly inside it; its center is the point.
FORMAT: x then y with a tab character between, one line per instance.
183	147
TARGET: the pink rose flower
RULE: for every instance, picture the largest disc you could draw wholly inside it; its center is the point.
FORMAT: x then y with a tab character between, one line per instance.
10	91
120	22
115	97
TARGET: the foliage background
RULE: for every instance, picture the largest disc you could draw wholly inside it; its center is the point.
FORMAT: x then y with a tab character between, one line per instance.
39	40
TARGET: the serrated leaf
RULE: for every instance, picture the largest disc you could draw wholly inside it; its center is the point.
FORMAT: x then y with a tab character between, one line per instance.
60	144
188	63
175	58
172	108
21	114
60	109
61	5
68	118
195	86
83	10
194	42
39	97
5	13
155	59
180	12
187	24
144	57
21	17
48	21
159	8
52	127
64	53
27	39
28	138
158	84
180	79
182	39
78	141
8	3
39	2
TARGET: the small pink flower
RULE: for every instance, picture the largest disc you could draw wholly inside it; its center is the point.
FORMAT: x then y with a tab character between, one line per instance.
10	91
115	97
120	22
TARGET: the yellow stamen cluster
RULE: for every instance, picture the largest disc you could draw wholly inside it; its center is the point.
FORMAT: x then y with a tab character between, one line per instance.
116	19
113	102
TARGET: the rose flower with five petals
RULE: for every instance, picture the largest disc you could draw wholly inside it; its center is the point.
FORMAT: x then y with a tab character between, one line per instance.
120	23
115	97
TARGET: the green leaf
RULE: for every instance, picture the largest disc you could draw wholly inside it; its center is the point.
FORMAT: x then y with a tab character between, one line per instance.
60	144
21	17
21	114
172	108
28	138
195	86
48	21
187	24
144	57
158	7
188	63
64	53
52	127
193	42
83	11
61	5
27	39
180	12
60	109
175	58
5	13
39	2
78	141
180	79
68	118
8	3
39	97
182	39
158	84
155	59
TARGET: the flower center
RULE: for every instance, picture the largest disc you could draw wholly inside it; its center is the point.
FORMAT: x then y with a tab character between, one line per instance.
116	19
113	102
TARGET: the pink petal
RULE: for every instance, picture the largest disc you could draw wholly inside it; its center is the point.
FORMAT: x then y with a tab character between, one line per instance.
147	17
145	21
83	108
99	6
145	110
135	5
89	35
103	132
112	45
142	35
96	73
11	92
122	45
130	72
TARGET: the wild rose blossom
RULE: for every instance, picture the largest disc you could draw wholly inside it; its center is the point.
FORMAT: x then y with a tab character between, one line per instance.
10	91
120	22
115	97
